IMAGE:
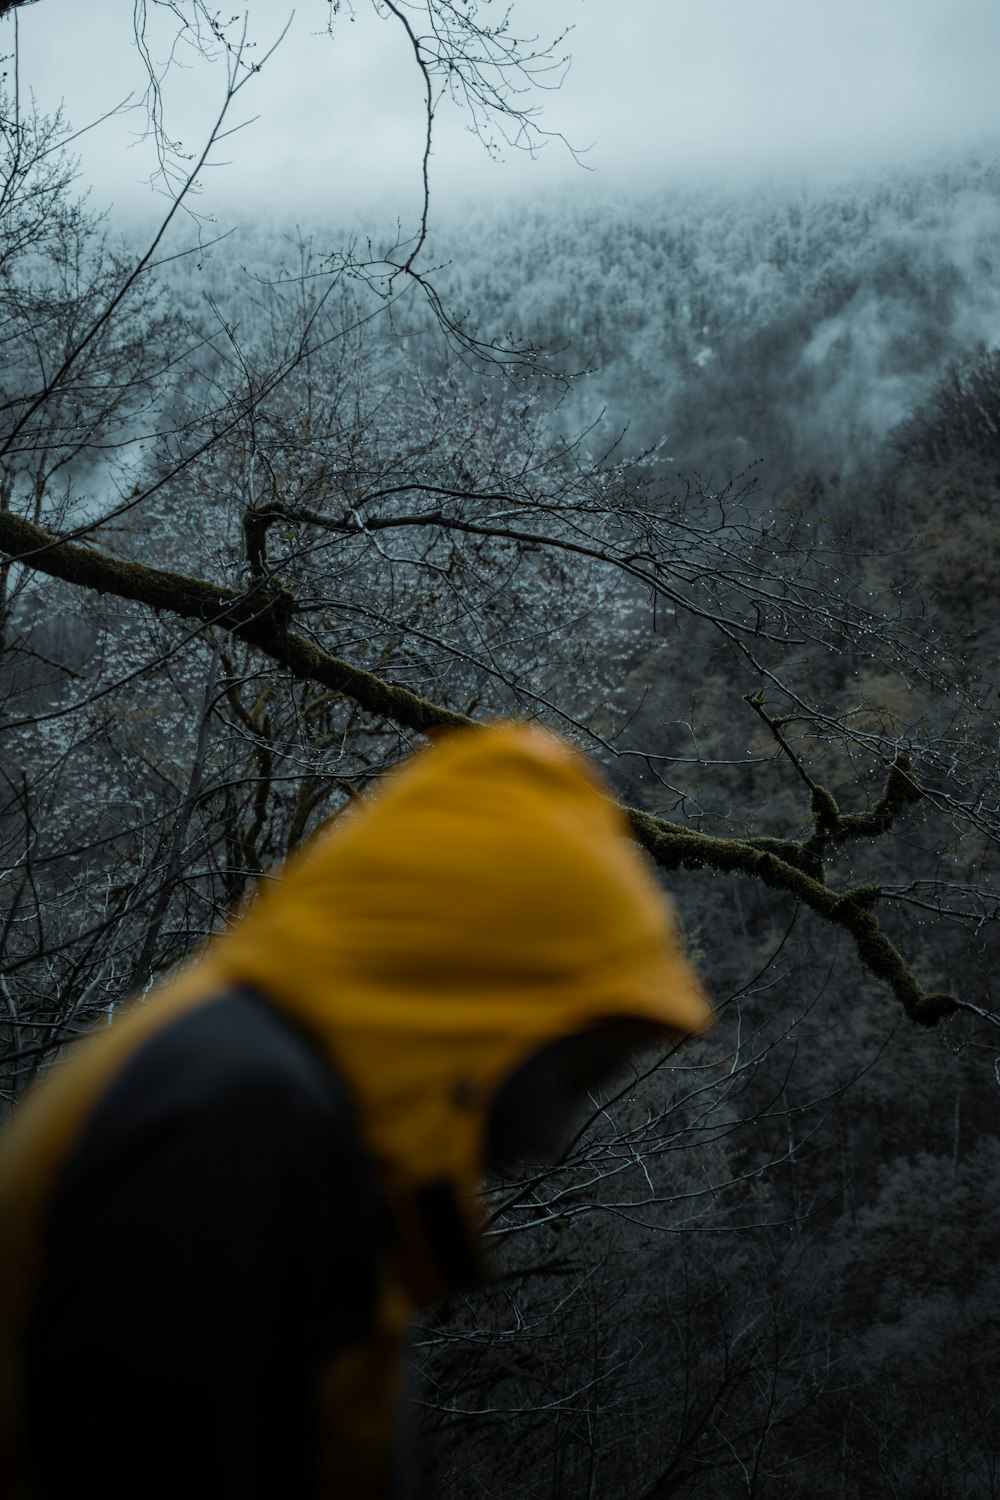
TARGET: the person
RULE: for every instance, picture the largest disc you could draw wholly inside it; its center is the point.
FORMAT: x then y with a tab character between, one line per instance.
218	1215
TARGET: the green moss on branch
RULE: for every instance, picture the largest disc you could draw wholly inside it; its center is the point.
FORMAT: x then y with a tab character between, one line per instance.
262	616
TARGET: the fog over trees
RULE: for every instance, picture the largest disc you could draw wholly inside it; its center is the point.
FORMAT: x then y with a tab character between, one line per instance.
707	482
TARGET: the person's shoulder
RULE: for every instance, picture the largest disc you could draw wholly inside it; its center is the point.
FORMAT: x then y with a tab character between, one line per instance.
232	1069
239	1045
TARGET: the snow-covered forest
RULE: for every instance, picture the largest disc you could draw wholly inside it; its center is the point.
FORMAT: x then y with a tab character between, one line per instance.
798	324
709	482
795	323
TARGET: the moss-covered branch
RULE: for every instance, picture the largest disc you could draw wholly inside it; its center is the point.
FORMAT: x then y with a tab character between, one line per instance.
262	616
674	848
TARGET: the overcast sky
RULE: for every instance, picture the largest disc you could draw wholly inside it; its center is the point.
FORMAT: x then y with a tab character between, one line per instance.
656	89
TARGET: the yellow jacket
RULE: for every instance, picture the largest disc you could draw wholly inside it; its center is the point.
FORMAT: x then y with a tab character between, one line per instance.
485	901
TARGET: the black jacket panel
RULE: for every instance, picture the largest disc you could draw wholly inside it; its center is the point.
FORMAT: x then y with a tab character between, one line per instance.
220	1214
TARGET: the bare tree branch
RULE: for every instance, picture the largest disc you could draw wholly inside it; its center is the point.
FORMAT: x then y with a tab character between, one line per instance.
262	617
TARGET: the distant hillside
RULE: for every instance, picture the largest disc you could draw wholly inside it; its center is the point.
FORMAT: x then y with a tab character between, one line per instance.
797	326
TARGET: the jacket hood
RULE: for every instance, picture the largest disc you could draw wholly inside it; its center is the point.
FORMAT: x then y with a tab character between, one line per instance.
484	901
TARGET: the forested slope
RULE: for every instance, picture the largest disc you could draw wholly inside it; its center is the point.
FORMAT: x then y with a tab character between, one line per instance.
797	324
794	323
